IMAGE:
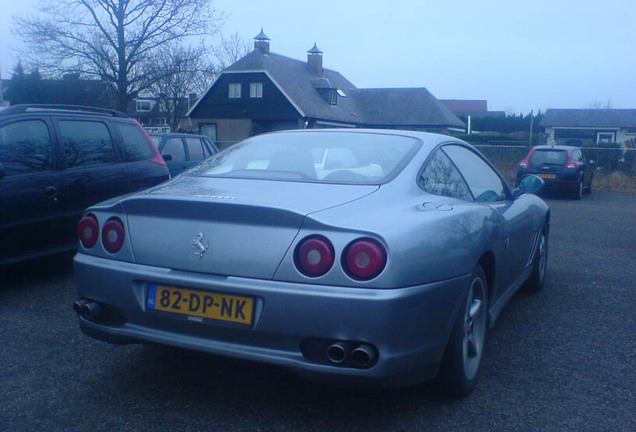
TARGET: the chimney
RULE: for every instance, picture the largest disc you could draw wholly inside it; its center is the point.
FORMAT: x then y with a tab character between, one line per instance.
261	42
314	60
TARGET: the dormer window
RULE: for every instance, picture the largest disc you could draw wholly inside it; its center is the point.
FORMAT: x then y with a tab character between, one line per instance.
333	97
235	91
143	106
256	90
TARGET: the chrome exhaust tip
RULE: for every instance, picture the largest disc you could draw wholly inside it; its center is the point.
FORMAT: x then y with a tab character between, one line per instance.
363	355
77	306
337	352
92	310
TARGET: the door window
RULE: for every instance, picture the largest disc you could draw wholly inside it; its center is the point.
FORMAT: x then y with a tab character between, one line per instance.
25	147
86	143
195	149
483	181
174	149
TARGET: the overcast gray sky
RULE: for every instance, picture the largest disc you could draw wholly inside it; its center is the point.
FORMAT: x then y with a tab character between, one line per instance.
518	55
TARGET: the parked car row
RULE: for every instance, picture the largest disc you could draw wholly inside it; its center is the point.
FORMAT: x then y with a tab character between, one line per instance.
362	256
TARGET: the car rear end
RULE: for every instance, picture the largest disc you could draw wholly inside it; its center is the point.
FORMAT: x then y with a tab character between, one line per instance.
554	165
144	164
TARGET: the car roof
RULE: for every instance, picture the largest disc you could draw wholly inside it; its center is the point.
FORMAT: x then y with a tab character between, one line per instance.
176	134
61	109
555	147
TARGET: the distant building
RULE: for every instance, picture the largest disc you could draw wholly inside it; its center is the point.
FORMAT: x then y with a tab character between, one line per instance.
476	108
265	92
588	127
152	114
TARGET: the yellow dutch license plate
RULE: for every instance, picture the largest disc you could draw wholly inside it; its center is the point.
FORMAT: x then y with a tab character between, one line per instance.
547	176
204	304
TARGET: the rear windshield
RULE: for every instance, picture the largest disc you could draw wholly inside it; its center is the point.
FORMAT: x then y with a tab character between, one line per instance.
549	157
319	157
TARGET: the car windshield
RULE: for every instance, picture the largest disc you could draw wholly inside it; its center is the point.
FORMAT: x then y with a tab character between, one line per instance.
319	157
549	157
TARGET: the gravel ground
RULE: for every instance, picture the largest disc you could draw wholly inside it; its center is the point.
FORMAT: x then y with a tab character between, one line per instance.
562	360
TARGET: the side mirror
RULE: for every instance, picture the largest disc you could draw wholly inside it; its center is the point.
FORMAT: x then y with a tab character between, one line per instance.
3	172
529	184
167	157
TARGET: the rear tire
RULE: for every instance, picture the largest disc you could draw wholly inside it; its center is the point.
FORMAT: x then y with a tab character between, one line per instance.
536	281
578	193
461	364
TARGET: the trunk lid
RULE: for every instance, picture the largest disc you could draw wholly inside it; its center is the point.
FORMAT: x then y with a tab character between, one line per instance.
226	226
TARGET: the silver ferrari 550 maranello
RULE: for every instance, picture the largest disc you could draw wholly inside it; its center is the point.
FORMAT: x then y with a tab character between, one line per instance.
351	256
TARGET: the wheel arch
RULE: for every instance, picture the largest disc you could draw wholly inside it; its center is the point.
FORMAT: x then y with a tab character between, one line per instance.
487	262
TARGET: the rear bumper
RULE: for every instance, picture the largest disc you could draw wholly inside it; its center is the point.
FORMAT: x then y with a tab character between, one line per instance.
560	182
409	327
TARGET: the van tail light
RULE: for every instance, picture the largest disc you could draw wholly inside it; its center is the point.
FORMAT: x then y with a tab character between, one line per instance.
364	259
314	256
113	235
88	231
157	158
523	164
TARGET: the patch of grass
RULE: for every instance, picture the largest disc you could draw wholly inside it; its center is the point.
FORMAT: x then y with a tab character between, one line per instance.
615	181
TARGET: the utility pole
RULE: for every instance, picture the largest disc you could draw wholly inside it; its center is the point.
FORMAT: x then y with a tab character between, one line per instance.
531	125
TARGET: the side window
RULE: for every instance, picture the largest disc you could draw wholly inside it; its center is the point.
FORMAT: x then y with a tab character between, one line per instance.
483	181
578	156
440	177
135	144
86	143
174	148
195	148
25	147
208	148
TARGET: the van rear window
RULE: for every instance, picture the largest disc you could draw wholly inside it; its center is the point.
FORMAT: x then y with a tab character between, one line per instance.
135	144
549	157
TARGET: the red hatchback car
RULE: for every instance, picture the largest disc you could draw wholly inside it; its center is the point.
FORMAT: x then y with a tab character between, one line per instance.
562	168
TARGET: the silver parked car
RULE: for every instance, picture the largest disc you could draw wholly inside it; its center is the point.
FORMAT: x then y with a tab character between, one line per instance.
352	256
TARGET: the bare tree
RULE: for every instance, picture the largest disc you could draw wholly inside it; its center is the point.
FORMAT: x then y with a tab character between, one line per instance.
230	50
597	104
114	40
184	67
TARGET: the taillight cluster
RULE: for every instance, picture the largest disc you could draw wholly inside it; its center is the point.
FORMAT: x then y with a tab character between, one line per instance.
362	259
523	163
113	233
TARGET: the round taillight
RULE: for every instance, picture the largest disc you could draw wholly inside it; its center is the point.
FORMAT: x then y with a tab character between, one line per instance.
364	259
113	235
314	256
88	231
